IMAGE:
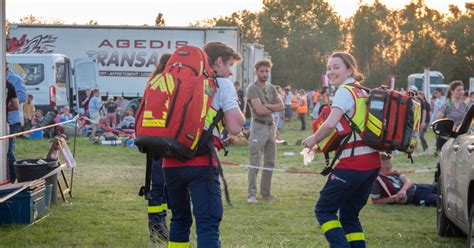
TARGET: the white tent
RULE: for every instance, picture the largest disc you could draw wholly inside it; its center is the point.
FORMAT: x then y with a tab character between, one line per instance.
3	143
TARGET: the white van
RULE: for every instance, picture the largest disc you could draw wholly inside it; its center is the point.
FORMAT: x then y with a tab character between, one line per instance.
49	78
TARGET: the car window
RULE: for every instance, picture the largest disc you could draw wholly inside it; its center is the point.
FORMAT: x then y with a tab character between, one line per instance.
32	74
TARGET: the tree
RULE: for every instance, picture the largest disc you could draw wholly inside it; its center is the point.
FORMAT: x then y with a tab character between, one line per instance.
246	21
299	35
30	19
456	59
92	22
159	20
420	39
373	41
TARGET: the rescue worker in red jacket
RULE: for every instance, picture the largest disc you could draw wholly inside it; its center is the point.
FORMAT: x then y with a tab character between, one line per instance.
348	186
157	205
190	182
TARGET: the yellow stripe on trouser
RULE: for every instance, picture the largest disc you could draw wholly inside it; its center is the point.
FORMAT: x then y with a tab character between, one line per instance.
331	225
157	209
358	236
178	244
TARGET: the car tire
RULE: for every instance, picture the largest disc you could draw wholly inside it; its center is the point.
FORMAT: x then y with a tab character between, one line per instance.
470	237
445	227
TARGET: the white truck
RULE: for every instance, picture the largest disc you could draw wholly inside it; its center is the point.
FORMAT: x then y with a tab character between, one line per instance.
50	78
125	55
436	80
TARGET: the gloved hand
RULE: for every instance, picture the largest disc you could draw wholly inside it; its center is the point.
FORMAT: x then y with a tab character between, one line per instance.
308	155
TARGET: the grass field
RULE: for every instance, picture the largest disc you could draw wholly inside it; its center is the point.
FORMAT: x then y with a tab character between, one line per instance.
106	210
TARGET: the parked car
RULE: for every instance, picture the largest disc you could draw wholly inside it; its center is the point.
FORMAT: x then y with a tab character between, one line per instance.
455	177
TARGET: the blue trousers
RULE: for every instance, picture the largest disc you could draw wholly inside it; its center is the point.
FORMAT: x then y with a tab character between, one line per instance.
14	128
191	184
157	203
345	191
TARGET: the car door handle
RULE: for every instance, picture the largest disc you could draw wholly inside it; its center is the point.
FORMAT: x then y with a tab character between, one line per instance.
470	148
455	148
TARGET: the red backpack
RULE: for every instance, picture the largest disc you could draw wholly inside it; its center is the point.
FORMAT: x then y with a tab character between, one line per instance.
171	117
391	121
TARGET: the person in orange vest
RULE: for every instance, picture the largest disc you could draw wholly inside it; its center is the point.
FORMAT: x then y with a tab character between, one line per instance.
315	98
294	103
302	109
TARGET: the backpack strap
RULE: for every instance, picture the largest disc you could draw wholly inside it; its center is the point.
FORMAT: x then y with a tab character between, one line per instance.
145	190
329	167
212	152
384	186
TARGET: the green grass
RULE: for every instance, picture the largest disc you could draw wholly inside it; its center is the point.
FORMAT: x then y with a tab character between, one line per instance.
106	210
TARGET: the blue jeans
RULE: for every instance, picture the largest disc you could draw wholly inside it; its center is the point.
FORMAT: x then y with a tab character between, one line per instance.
14	128
345	191
191	184
157	203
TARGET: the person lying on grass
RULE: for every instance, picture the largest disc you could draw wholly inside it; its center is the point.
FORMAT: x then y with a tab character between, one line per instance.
393	188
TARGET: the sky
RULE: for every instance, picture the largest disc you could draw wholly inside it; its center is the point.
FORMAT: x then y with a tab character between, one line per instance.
175	12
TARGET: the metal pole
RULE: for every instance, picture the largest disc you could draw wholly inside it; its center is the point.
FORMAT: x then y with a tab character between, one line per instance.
3	109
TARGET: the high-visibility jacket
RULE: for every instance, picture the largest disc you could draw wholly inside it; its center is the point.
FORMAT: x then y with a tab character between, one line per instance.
294	101
365	157
315	97
302	105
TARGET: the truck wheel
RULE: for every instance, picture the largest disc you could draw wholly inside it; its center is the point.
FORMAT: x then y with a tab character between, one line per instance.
471	227
444	226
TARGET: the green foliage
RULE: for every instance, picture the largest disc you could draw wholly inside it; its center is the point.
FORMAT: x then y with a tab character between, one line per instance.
299	35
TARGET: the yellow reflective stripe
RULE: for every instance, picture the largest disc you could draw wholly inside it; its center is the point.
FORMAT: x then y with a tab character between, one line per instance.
206	97
148	115
178	244
158	209
358	236
375	121
195	142
158	81
153	123
220	126
331	225
377	131
211	113
170	83
200	68
325	141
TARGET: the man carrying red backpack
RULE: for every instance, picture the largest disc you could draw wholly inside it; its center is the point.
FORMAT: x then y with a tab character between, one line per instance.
190	181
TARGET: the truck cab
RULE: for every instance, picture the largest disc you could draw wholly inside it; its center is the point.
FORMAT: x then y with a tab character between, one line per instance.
436	81
49	78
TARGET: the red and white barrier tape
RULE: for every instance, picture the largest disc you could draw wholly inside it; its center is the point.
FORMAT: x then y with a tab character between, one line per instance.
36	129
293	171
109	129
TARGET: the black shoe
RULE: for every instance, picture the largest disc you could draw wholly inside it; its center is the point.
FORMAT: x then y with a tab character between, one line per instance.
158	232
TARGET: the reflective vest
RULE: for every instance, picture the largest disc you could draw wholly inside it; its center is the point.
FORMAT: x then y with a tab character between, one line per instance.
315	97
294	101
359	118
302	105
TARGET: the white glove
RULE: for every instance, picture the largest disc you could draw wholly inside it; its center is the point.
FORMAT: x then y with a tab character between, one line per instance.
308	155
